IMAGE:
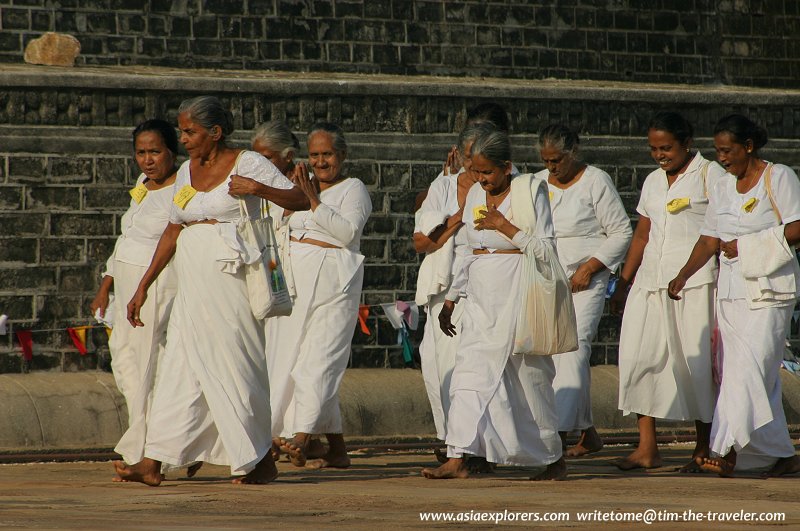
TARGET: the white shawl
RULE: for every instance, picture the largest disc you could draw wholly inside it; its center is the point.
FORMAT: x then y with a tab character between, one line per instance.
769	267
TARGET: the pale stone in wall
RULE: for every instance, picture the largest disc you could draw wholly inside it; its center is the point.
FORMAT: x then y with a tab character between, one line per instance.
54	49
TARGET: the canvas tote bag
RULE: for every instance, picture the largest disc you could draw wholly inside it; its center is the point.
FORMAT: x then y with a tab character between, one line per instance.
546	323
266	283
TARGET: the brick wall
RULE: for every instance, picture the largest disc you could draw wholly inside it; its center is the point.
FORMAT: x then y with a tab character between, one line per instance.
65	167
739	42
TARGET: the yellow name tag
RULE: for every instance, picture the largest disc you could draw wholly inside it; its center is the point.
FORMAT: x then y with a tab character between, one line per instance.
183	196
138	192
750	205
677	204
478	212
551	196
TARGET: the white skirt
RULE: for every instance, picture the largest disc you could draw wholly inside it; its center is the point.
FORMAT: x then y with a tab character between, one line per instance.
308	351
572	384
438	355
501	405
665	354
211	401
135	352
749	416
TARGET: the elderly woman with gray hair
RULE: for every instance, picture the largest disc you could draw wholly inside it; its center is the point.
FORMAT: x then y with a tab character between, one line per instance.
211	398
501	404
592	235
309	350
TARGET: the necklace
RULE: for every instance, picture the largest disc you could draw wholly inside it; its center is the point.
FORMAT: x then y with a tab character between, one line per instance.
498	198
750	181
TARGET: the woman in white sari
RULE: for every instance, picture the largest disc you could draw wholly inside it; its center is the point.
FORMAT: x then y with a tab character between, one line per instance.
664	347
211	400
754	220
135	351
592	234
501	405
440	234
309	350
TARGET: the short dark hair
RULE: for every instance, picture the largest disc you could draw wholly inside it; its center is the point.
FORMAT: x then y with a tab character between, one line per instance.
742	129
167	132
674	124
489	112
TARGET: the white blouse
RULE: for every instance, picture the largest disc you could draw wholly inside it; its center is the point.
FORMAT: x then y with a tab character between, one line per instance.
674	233
492	239
590	221
141	227
727	218
217	203
339	220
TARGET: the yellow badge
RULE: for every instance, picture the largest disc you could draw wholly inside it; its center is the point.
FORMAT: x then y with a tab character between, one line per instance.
677	204
551	196
138	192
478	212
184	195
750	205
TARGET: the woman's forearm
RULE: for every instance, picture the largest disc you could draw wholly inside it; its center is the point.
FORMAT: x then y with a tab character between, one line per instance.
164	253
290	198
702	252
436	239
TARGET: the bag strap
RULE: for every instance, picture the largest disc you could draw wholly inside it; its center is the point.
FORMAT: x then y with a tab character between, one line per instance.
768	186
705	177
235	171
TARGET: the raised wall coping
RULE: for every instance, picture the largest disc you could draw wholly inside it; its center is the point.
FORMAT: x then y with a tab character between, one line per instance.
294	83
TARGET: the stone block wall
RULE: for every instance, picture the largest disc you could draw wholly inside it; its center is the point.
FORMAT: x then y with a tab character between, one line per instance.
740	42
66	165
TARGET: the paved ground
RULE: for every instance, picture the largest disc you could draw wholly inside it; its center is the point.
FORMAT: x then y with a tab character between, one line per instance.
380	490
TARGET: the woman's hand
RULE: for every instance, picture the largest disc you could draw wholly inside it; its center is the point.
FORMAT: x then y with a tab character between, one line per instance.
239	186
135	306
675	286
729	249
492	219
451	164
582	278
445	318
616	304
100	302
309	187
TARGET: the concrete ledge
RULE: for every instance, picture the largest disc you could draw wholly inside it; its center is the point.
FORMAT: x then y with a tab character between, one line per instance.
341	84
43	411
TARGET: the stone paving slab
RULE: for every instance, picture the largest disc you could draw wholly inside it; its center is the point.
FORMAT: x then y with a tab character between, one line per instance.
380	490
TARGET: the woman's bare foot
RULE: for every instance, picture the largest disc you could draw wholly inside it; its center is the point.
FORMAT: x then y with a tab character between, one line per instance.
275	451
294	450
315	449
264	472
589	443
784	466
192	469
693	466
147	471
718	465
639	459
479	465
554	472
454	468
330	460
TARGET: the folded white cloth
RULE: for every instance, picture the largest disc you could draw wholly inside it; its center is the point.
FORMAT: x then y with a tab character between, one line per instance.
769	267
436	270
